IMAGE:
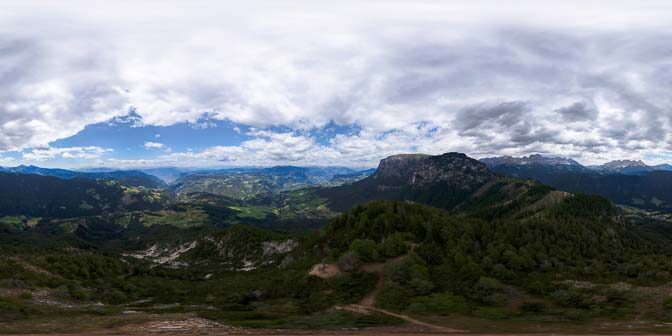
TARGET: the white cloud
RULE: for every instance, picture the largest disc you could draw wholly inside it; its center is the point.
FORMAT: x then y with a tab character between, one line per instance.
362	149
409	74
7	161
154	145
49	153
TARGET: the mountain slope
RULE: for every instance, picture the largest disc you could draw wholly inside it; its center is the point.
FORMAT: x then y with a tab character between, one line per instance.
47	196
339	179
451	181
532	160
245	183
580	225
627	167
485	262
648	190
131	178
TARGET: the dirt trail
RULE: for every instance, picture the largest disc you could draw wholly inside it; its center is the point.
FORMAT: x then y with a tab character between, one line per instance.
370	299
368	304
379	269
325	271
361	309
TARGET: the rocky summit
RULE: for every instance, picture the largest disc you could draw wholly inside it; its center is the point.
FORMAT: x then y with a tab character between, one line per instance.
419	170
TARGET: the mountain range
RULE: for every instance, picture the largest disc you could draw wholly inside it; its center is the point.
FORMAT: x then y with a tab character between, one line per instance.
133	178
287	247
624	182
244	183
626	167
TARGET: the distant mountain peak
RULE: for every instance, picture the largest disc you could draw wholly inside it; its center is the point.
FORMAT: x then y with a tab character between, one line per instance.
628	167
534	159
455	169
616	164
663	166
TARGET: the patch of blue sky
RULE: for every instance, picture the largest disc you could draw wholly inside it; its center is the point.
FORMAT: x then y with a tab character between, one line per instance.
128	138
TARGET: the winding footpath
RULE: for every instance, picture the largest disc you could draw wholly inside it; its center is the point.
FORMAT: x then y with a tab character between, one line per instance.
368	304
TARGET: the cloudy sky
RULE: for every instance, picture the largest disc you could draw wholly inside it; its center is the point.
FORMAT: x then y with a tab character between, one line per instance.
218	83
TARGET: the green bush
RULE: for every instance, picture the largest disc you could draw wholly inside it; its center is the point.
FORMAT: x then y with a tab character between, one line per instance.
570	298
532	307
439	303
350	288
365	249
8	306
393	245
10	309
26	295
115	296
488	291
411	273
667	303
393	296
79	294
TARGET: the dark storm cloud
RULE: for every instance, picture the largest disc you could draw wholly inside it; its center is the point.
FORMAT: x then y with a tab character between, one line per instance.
487	115
579	111
17	58
544	67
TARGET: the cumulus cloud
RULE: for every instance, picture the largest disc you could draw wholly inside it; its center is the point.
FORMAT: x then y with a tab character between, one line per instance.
7	161
571	78
362	149
154	145
43	154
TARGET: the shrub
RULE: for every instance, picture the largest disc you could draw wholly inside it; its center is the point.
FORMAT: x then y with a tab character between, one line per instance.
350	288
365	249
532	307
8	306
79	294
393	245
667	303
393	296
488	291
412	274
114	296
439	303
569	298
26	295
10	309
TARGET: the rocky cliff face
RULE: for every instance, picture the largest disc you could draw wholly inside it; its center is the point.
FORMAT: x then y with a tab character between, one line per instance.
417	170
449	181
534	159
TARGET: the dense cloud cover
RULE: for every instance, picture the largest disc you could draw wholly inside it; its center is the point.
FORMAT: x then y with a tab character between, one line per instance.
590	80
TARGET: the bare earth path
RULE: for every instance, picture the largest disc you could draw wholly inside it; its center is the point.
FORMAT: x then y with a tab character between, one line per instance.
368	304
357	308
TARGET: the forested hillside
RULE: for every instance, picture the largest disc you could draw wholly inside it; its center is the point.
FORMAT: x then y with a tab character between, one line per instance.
130	178
46	196
648	190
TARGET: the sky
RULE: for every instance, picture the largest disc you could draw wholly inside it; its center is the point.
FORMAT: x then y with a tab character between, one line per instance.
230	83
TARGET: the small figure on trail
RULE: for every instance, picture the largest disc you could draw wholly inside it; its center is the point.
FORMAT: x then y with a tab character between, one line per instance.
323	269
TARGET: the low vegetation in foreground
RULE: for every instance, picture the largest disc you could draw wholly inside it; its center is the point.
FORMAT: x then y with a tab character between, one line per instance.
574	263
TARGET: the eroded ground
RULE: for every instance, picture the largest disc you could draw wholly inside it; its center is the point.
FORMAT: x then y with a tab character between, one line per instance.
175	325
